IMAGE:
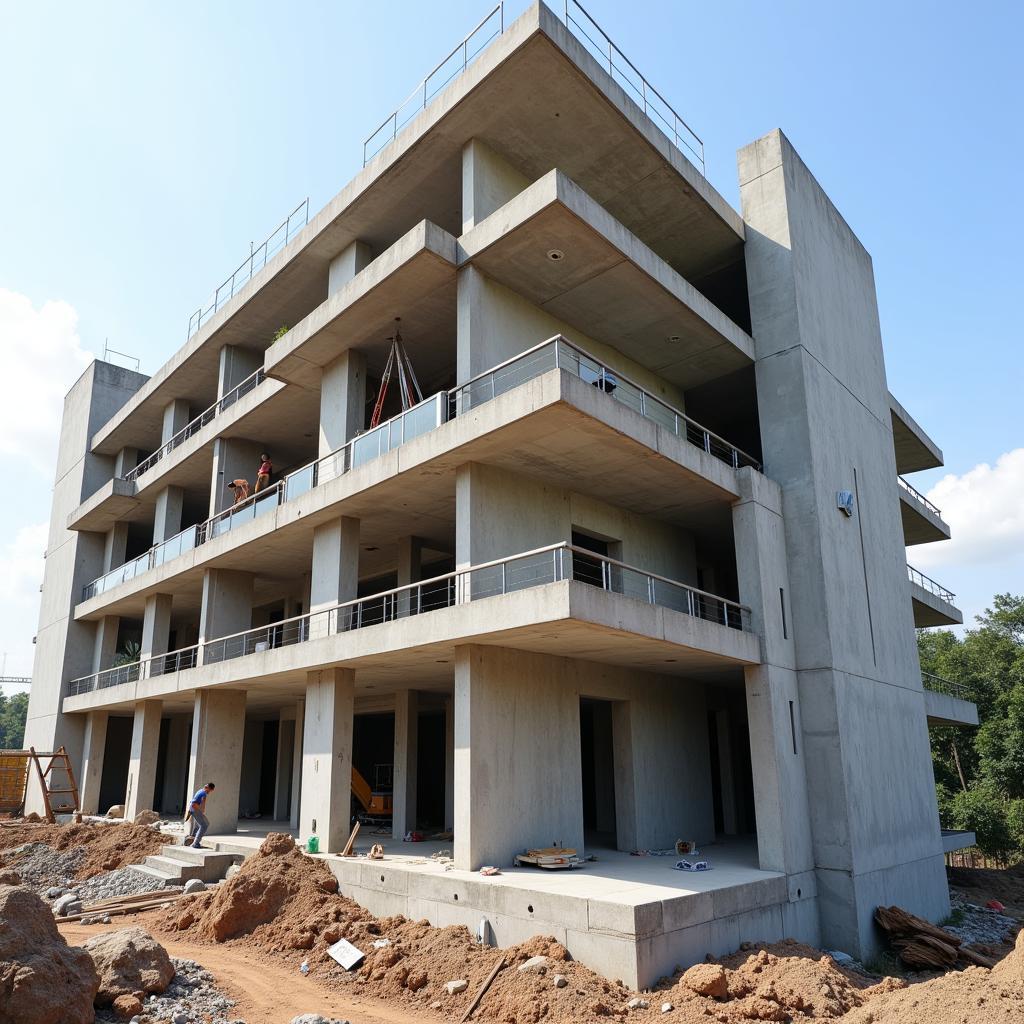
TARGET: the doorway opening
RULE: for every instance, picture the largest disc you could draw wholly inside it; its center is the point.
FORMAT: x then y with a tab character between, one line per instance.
597	750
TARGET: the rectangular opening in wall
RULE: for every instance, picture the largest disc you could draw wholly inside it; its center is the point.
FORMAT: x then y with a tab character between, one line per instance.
598	760
792	726
782	605
589	570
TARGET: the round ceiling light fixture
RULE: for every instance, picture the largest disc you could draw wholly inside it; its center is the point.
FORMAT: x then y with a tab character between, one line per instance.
555	255
673	339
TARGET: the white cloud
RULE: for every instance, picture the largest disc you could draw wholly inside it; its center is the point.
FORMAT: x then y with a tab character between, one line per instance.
21	572
984	508
42	358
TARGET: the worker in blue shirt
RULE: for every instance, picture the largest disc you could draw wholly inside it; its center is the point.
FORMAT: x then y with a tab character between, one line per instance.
197	813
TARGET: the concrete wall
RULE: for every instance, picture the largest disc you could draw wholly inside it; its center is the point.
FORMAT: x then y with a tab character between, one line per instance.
495	324
825	423
64	648
518	771
500	513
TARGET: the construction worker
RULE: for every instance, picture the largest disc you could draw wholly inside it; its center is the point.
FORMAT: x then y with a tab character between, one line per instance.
263	475
240	489
197	813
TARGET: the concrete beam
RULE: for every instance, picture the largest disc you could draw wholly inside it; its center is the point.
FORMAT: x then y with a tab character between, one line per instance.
327	758
218	729
142	759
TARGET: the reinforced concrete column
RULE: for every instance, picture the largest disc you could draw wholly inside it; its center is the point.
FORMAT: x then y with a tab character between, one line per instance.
518	773
449	762
142	759
176	417
236	365
300	719
167	517
403	816
156	625
115	546
172	800
410	551
335	571
227	603
105	647
283	770
92	761
352	259
489	181
342	400
125	461
327	757
218	729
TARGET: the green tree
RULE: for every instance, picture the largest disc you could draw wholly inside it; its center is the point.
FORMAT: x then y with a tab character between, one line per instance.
13	712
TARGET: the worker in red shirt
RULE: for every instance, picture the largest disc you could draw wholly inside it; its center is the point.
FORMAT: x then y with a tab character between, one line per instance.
263	475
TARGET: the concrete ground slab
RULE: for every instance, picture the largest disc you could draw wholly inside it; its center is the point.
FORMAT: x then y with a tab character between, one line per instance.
627	917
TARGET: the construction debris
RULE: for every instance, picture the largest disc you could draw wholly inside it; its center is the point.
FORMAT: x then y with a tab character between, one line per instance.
922	945
552	858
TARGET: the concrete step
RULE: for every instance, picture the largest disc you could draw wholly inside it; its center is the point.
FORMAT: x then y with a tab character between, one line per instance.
209	865
159	876
180	870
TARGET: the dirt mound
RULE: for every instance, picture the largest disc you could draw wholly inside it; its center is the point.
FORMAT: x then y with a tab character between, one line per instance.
42	979
983	884
107	847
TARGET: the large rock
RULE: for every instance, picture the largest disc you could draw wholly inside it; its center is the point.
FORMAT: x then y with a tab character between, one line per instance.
117	811
146	818
43	980
129	961
707	980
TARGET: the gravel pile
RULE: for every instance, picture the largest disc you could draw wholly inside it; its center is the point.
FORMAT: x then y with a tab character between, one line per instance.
979	924
190	998
123	882
41	867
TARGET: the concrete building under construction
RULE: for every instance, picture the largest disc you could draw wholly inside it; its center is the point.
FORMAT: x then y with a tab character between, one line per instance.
622	562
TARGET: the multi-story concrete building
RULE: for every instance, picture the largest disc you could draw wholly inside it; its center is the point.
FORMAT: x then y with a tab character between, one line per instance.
633	571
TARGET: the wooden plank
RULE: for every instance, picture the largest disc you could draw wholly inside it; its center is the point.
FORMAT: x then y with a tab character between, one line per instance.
347	852
480	991
42	785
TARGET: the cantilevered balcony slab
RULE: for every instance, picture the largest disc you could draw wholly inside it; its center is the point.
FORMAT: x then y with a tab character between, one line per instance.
566	618
915	450
607	283
554	427
113	502
922	521
933	604
945	709
414	279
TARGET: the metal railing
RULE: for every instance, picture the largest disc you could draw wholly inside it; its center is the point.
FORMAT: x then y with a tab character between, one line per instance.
947	686
918	496
460	58
194	426
257	260
918	577
554	563
554	353
559	353
625	72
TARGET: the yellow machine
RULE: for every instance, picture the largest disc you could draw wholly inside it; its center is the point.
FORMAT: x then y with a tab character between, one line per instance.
375	805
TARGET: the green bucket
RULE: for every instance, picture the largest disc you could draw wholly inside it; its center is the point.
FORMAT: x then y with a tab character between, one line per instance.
313	844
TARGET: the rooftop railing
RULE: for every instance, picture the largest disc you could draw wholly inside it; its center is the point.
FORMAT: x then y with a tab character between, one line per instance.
947	686
918	577
258	257
464	53
554	353
625	72
918	496
594	39
194	426
552	564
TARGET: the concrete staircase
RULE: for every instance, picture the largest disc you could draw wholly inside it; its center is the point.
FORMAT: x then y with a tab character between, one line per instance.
175	865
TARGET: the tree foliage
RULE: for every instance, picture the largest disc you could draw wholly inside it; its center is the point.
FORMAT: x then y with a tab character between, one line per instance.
13	711
979	773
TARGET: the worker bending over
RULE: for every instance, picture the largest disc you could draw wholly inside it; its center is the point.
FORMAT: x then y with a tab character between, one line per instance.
240	489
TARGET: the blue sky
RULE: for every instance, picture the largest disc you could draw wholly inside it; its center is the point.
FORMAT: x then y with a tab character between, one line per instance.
146	145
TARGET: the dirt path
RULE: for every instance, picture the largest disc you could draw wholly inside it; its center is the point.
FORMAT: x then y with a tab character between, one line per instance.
266	992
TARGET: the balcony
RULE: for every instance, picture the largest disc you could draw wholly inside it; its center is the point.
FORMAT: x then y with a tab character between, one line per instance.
947	702
714	630
922	521
915	450
554	354
933	603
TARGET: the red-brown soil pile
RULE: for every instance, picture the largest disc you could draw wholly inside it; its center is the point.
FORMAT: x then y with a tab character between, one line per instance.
108	847
286	905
